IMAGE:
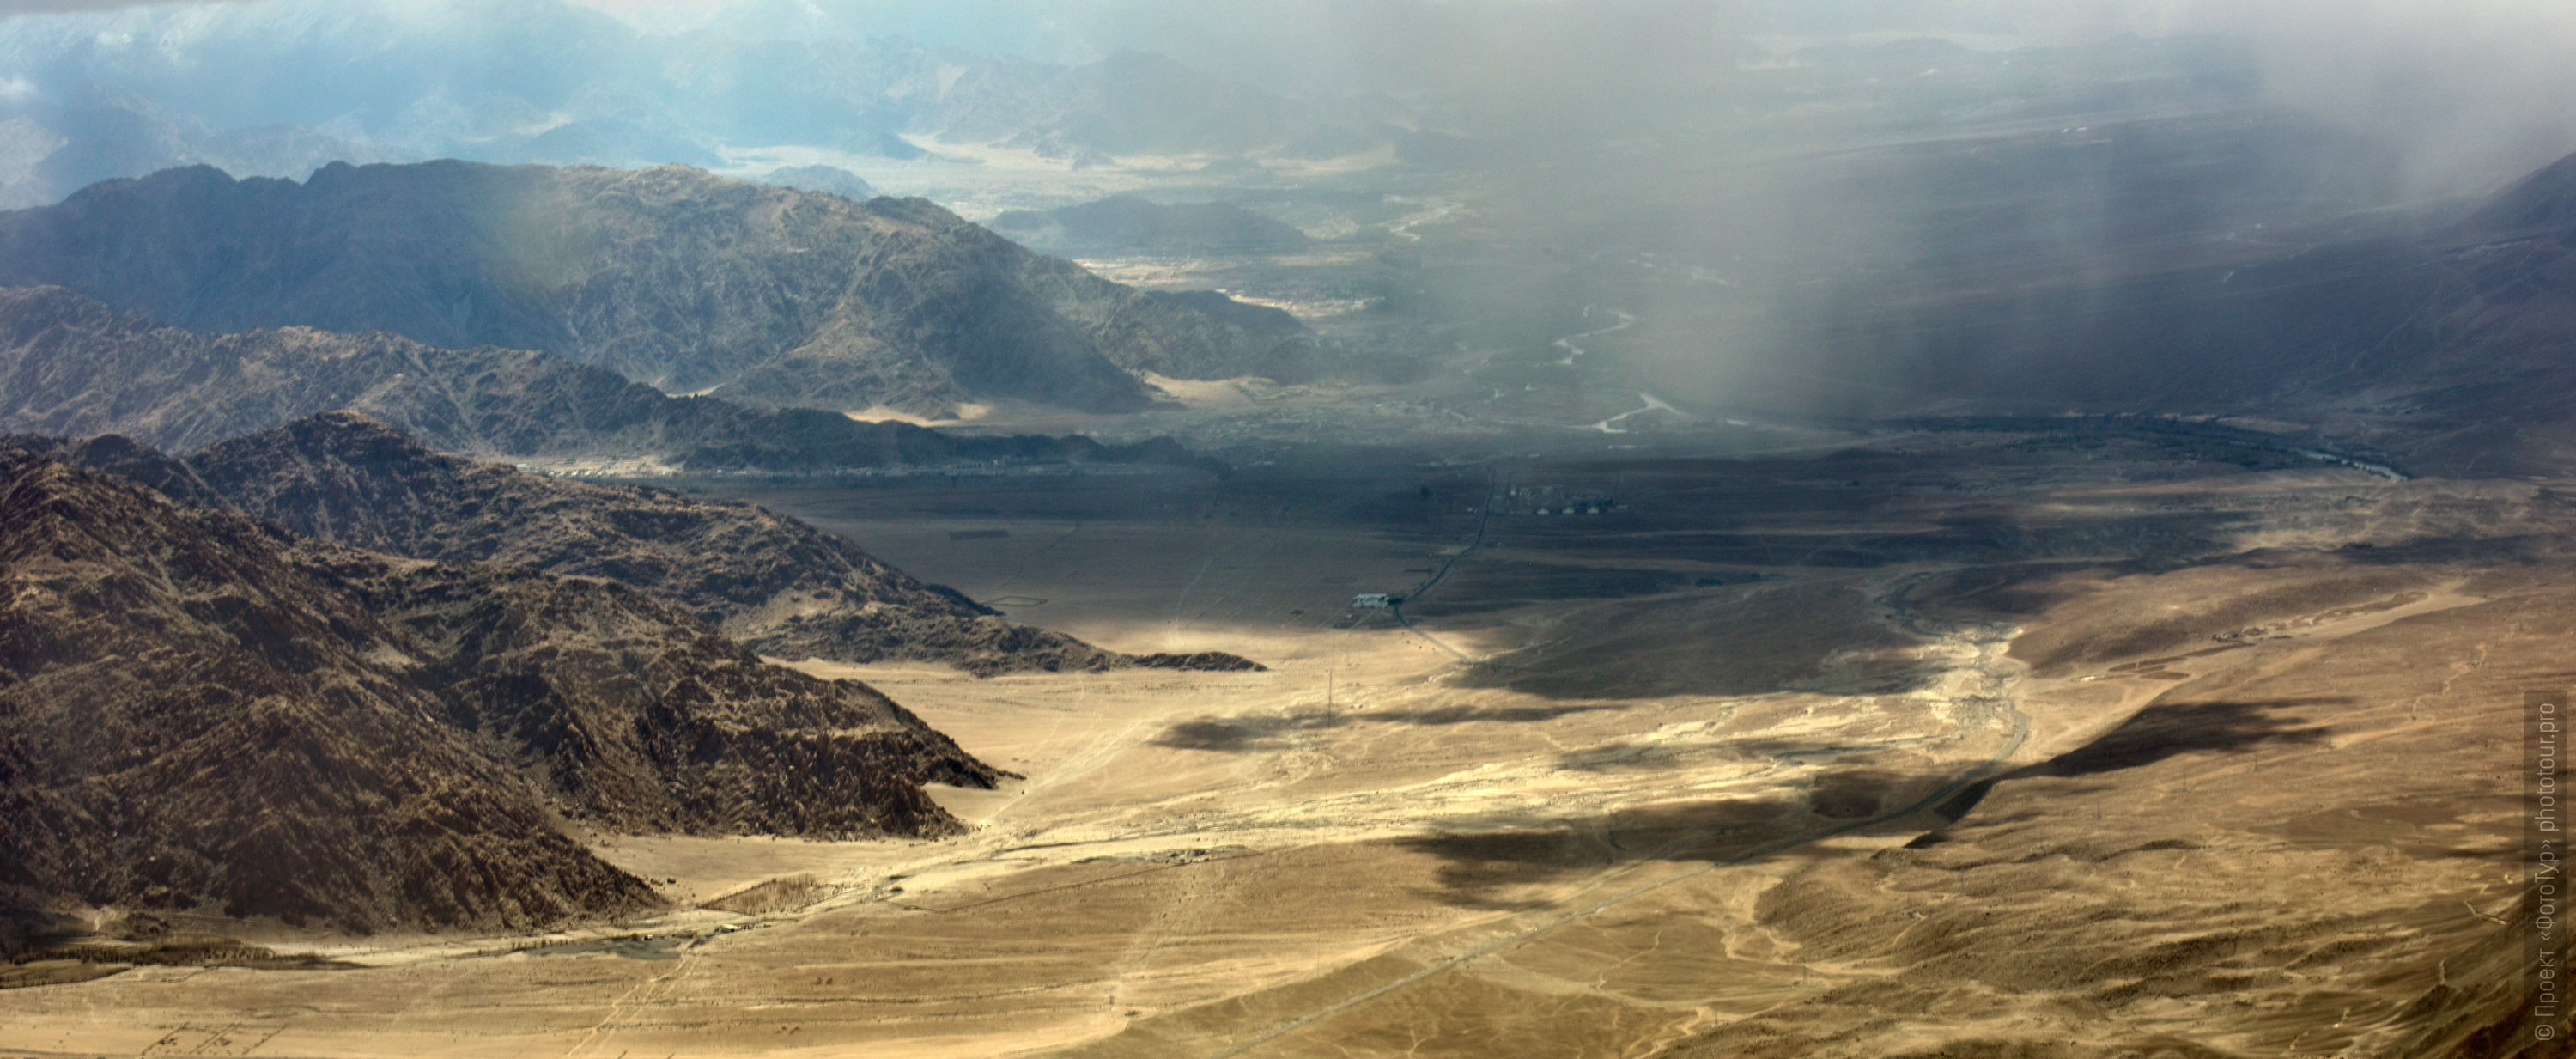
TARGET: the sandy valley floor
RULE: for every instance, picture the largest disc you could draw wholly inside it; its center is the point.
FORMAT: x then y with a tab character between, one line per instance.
2042	799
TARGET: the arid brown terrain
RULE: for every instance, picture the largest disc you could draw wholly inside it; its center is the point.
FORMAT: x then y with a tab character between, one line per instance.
2026	572
206	715
1950	744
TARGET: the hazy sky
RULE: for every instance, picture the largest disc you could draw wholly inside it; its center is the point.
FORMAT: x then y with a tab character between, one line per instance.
37	7
2475	86
2479	84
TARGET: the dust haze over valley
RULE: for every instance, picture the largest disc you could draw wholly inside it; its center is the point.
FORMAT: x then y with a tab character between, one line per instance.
1331	528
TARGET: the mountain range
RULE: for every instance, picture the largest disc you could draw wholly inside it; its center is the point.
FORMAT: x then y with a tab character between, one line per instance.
51	147
286	86
70	365
771	582
668	276
768	581
203	712
2434	334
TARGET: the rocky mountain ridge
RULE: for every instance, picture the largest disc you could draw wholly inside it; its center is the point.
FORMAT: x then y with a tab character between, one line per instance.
71	366
773	583
199	711
669	276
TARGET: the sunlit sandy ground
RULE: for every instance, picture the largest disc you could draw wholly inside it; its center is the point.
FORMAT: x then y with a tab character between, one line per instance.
1361	852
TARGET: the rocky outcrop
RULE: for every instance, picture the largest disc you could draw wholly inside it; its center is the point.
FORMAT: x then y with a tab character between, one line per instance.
668	276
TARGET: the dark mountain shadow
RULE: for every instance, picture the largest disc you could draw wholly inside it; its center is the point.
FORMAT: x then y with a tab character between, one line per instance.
27	928
2162	731
1236	735
1501	867
1742	640
2429	551
1504	867
1982	539
1508	865
1272	731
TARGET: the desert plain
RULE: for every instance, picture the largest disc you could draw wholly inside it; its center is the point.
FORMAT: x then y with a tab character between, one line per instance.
1921	743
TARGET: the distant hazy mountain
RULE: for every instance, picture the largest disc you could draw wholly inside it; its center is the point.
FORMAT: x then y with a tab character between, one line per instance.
2443	340
668	276
2541	206
1127	223
773	583
199	710
551	81
72	366
51	148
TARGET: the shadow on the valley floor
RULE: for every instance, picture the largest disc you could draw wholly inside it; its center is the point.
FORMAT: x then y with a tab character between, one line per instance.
2165	730
1516	867
2429	551
1518	864
1650	755
1982	535
1738	640
1273	731
26	929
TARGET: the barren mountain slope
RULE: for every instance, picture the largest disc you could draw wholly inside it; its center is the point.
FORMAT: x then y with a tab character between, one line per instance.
773	583
2437	339
668	276
200	711
645	720
71	366
188	719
